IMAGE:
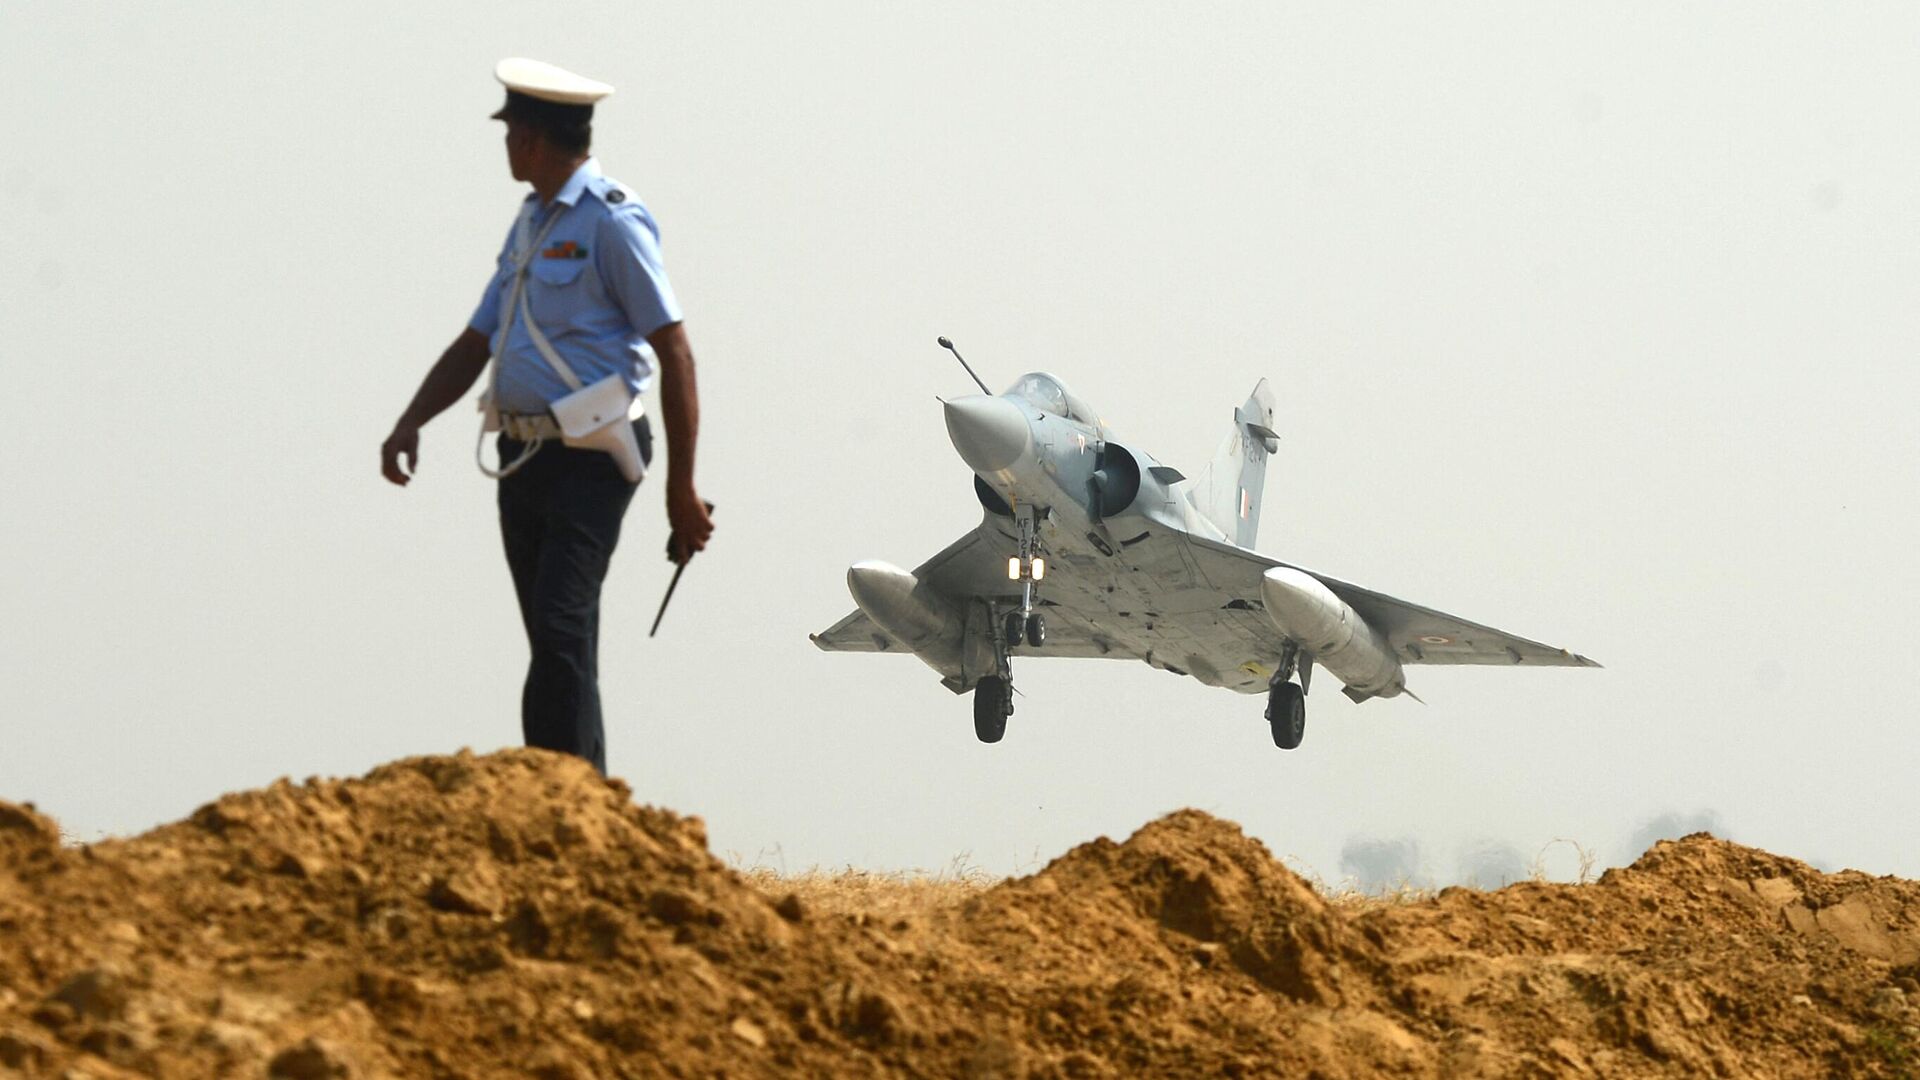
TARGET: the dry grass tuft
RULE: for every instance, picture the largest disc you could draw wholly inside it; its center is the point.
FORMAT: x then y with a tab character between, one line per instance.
1353	900
888	895
892	895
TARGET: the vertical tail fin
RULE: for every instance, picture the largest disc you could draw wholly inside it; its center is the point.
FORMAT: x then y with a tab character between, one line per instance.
1229	491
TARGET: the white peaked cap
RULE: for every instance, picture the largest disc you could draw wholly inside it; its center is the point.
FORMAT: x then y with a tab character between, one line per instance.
538	79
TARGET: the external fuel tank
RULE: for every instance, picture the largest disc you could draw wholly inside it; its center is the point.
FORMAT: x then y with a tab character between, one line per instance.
1328	629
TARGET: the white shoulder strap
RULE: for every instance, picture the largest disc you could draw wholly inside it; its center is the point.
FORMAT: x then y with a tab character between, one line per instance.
540	342
525	250
516	306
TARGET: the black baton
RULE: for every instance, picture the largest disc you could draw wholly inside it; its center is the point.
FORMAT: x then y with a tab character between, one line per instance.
675	583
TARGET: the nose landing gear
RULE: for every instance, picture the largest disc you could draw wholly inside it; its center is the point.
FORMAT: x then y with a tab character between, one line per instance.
1031	629
1028	568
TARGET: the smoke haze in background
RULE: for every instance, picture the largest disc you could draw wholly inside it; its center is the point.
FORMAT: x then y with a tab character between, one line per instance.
1375	865
1672	825
1489	864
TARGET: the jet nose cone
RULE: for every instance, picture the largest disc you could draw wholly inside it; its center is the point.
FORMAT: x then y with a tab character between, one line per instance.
991	433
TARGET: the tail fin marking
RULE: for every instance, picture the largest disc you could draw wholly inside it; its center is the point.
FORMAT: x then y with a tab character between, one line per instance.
1230	490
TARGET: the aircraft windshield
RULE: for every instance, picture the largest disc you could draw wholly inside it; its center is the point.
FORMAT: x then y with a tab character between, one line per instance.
1042	390
1046	393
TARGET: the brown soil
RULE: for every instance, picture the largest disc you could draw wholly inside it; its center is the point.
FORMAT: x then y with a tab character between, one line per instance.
515	915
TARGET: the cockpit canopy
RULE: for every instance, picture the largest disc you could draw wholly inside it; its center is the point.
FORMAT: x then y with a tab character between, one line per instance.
1044	392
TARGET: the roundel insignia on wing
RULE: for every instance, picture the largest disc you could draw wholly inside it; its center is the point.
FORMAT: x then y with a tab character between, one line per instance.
616	196
1435	639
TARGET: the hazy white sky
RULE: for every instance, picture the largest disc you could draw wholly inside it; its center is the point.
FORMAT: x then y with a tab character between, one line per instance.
1596	323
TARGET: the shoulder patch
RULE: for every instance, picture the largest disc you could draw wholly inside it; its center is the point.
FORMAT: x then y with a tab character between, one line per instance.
610	191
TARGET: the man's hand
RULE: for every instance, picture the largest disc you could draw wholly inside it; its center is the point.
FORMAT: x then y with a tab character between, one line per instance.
687	516
404	442
680	404
451	375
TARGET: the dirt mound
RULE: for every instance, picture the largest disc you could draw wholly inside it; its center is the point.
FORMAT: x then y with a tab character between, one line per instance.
515	915
25	835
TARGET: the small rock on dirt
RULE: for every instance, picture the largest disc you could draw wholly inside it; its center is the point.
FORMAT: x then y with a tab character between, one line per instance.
675	907
291	864
467	891
748	1032
554	1064
876	1016
97	994
790	908
311	1059
232	1042
22	1052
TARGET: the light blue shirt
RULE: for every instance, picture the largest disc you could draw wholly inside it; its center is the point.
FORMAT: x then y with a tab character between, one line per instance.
597	288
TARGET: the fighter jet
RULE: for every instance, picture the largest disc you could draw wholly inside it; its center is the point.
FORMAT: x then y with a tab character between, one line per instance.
1090	547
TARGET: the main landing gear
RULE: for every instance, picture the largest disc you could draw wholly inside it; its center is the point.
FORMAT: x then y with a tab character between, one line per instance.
1287	700
993	695
992	704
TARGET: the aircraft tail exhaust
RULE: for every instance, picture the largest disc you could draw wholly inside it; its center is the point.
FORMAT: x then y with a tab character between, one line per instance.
1229	491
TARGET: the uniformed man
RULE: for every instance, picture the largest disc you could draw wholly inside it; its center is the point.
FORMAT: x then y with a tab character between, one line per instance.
578	307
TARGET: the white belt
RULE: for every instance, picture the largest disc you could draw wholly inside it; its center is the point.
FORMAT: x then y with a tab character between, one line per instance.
529	427
535	427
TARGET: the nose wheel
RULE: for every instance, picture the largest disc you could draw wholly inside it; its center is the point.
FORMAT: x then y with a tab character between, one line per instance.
1030	628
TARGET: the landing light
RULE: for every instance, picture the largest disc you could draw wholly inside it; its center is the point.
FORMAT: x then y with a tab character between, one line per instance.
1039	569
1013	569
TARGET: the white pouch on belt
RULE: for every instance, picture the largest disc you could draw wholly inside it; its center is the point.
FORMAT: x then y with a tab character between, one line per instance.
596	418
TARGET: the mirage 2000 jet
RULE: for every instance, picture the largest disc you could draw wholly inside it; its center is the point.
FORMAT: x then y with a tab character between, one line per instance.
1092	548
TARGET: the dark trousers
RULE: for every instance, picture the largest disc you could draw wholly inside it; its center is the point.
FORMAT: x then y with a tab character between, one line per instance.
560	518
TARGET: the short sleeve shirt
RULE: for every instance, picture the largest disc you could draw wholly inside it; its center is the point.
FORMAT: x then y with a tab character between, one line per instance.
596	286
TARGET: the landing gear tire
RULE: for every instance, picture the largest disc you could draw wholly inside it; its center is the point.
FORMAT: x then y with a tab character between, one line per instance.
1036	630
1287	714
1016	628
992	702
